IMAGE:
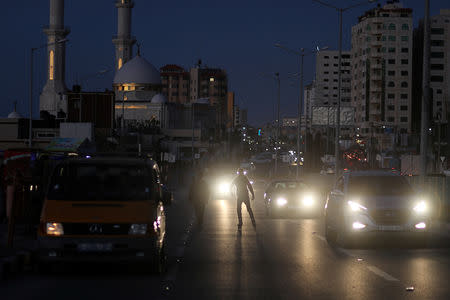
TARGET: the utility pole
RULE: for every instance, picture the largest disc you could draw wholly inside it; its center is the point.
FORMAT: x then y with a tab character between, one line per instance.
338	110
277	141
425	93
30	125
300	109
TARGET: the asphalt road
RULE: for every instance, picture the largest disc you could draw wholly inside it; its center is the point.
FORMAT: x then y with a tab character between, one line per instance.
284	258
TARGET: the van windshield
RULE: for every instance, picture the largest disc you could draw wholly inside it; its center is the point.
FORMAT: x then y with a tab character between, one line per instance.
100	182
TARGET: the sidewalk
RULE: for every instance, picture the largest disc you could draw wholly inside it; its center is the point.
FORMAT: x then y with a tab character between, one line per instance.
13	259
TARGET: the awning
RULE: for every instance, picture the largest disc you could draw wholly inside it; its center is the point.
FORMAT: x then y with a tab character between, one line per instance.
64	145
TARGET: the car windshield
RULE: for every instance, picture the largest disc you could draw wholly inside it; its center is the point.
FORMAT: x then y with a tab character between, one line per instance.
378	185
289	185
98	182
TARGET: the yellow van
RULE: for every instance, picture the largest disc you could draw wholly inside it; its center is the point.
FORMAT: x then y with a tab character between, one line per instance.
104	209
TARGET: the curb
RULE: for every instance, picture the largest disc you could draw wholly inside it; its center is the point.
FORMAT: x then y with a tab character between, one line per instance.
9	265
14	264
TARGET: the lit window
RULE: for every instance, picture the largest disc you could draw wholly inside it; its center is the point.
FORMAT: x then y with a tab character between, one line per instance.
211	79
119	64
51	62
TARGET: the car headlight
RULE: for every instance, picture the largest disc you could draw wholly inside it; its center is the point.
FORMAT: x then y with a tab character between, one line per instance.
281	201
308	200
138	229
223	187
55	229
421	207
356	207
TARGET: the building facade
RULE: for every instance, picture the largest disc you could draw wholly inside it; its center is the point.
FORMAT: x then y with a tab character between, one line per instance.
382	72
208	83
326	83
175	83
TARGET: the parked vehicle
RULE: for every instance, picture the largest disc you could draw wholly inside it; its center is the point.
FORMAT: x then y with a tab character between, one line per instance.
99	209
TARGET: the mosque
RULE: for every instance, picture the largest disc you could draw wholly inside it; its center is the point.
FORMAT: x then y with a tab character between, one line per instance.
137	83
136	101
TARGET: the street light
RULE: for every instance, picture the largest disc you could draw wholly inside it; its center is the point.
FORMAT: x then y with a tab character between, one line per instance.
338	110
30	128
426	95
301	54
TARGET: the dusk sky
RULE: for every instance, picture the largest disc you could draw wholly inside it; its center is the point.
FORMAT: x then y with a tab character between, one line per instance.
237	36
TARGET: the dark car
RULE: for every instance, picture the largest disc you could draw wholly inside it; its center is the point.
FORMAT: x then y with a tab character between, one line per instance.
285	197
363	203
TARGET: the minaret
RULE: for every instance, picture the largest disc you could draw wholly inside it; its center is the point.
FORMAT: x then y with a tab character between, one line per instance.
51	98
123	40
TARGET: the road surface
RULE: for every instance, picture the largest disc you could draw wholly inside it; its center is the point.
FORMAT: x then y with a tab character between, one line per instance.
285	258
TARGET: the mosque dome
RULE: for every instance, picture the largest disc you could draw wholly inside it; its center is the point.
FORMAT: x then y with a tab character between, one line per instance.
159	99
138	71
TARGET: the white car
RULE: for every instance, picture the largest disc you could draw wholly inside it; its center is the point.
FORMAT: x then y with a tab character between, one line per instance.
366	202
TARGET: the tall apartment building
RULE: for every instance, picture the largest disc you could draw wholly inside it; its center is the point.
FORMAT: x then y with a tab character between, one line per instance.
182	86
308	99
382	71
208	83
325	92
239	116
326	83
439	69
175	83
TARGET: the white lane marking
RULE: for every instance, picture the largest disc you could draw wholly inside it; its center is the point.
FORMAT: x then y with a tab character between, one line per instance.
341	250
381	273
373	269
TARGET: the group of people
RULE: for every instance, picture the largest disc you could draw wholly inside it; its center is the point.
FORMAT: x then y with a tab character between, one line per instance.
199	195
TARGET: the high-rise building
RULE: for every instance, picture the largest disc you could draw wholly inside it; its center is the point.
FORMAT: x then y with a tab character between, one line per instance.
326	83
175	83
439	69
208	83
308	99
382	71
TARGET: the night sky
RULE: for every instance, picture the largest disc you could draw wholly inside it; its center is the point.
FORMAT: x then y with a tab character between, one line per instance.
237	36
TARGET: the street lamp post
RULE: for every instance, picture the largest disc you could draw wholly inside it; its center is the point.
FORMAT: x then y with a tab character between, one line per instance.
338	109
301	54
425	93
277	140
32	50
193	126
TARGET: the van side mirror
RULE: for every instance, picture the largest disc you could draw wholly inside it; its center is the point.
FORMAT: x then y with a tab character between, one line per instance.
167	196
